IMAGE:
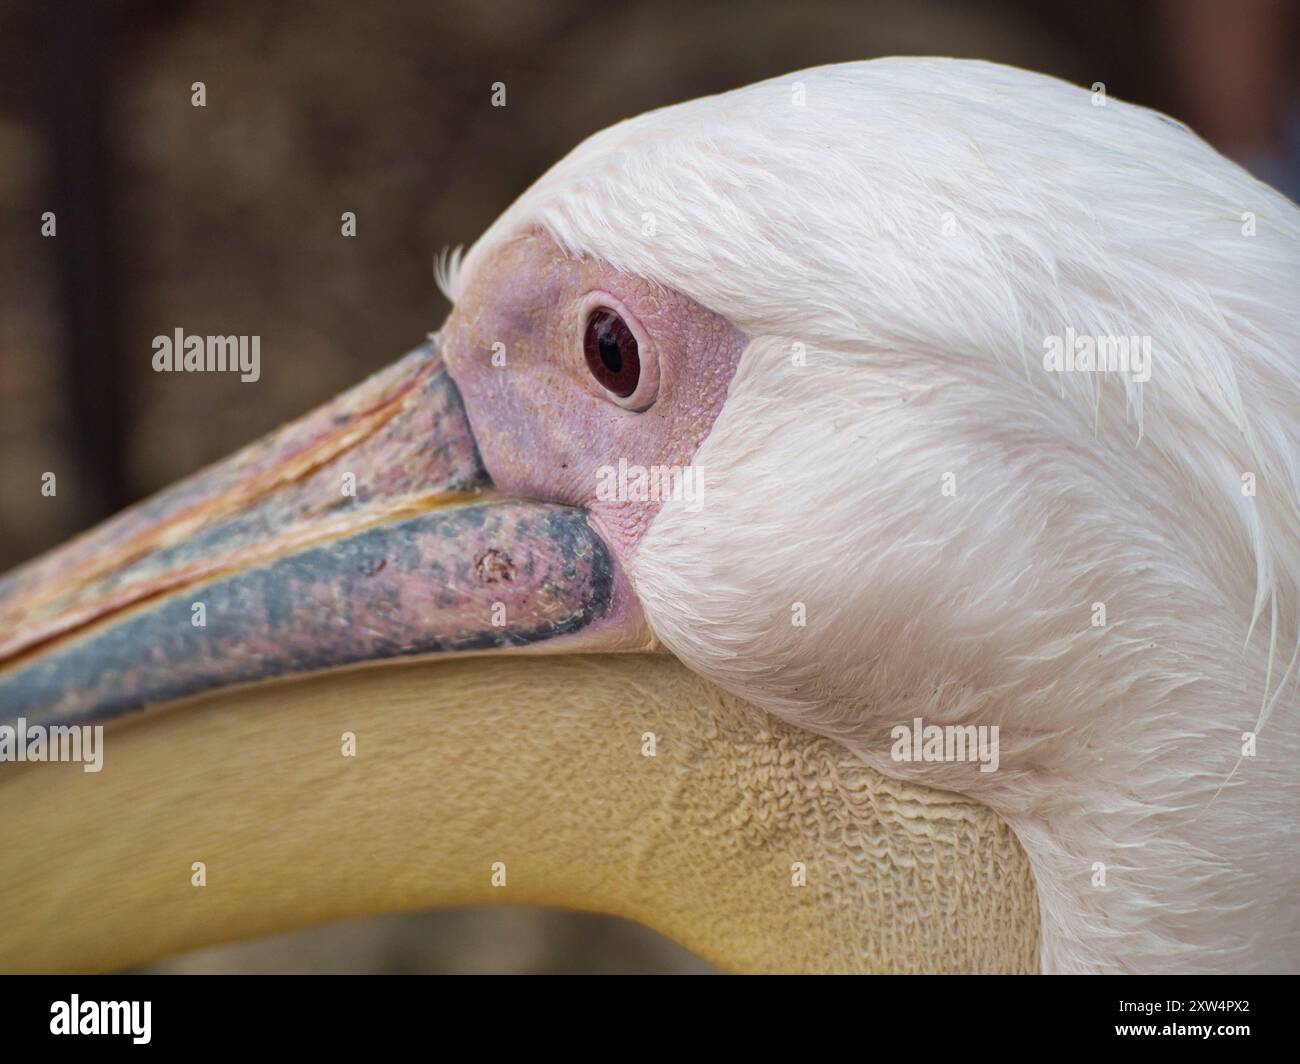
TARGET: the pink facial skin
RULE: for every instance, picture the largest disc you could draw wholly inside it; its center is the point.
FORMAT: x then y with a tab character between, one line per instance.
543	425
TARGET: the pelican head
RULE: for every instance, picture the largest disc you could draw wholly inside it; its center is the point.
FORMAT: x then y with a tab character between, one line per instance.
763	426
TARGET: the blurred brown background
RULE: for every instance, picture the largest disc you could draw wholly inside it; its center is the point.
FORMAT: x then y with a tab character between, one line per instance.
226	219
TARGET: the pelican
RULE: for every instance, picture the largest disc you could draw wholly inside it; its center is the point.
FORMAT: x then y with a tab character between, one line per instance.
904	394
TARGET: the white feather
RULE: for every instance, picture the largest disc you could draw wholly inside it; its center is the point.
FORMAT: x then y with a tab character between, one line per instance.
921	226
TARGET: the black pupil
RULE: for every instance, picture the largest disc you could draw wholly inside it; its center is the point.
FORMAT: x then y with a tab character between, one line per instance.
611	352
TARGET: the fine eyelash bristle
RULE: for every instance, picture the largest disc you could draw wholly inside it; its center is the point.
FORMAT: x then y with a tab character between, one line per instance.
446	271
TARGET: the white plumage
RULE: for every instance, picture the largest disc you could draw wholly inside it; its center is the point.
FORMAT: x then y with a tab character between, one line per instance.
921	227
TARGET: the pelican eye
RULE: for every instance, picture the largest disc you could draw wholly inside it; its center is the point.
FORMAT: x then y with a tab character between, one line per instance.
611	351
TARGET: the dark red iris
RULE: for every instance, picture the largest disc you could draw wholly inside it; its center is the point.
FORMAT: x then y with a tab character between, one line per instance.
611	352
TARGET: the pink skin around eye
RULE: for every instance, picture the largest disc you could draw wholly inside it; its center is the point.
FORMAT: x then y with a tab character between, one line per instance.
544	428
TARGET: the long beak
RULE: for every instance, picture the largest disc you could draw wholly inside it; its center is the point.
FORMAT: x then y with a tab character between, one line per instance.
365	532
369	532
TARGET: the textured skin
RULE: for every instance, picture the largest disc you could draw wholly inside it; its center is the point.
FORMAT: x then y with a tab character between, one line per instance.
426	585
402	433
697	841
543	426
